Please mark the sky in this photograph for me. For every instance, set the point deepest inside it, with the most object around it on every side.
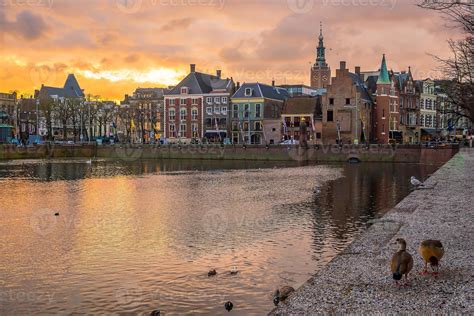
(115, 46)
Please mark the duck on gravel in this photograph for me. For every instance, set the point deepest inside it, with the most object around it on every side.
(282, 294)
(402, 262)
(431, 251)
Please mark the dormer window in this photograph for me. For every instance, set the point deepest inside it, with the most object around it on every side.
(248, 92)
(184, 90)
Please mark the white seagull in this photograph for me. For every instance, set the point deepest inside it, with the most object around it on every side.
(415, 182)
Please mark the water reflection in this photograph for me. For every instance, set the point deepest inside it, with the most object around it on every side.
(135, 237)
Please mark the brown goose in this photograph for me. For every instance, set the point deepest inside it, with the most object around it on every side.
(431, 251)
(402, 262)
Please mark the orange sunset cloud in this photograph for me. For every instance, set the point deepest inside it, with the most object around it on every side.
(115, 46)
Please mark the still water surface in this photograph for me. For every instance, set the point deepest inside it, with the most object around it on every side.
(141, 236)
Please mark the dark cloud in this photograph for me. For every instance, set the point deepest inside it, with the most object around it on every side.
(177, 25)
(28, 25)
(132, 58)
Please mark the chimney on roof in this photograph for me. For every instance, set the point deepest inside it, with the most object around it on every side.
(192, 67)
(238, 85)
(273, 83)
(219, 73)
(357, 70)
(343, 65)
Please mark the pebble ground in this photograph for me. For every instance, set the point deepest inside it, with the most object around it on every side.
(359, 280)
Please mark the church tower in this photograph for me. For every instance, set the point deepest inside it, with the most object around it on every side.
(320, 71)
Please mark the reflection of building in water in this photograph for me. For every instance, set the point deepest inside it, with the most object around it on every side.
(365, 192)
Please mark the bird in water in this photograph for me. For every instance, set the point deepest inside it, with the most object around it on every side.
(402, 262)
(431, 251)
(228, 306)
(212, 272)
(56, 214)
(282, 294)
(234, 270)
(89, 161)
(415, 182)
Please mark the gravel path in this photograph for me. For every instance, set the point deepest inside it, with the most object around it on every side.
(359, 280)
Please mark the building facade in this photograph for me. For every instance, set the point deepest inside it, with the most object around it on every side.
(301, 120)
(428, 110)
(146, 115)
(409, 107)
(347, 109)
(8, 109)
(187, 108)
(255, 114)
(386, 110)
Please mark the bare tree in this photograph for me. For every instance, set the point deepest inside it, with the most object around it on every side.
(459, 68)
(48, 107)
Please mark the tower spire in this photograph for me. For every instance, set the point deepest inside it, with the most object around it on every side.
(384, 77)
(321, 50)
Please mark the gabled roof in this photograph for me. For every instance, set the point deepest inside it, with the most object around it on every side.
(200, 83)
(260, 90)
(157, 92)
(384, 77)
(303, 105)
(361, 87)
(72, 88)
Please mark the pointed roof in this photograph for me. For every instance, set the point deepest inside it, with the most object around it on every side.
(72, 88)
(260, 90)
(200, 83)
(384, 77)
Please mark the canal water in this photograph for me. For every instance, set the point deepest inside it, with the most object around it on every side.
(133, 237)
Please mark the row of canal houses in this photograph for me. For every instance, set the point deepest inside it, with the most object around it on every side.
(379, 106)
(354, 107)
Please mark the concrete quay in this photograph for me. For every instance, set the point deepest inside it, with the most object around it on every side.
(359, 280)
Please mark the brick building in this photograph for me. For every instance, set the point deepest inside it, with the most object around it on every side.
(386, 111)
(197, 108)
(347, 107)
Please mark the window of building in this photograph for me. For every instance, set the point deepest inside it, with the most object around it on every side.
(172, 130)
(248, 92)
(217, 100)
(246, 126)
(194, 129)
(184, 90)
(246, 110)
(194, 114)
(224, 100)
(172, 114)
(422, 120)
(209, 110)
(209, 100)
(318, 135)
(195, 101)
(348, 101)
(182, 130)
(172, 102)
(383, 113)
(258, 110)
(182, 101)
(235, 126)
(182, 114)
(217, 110)
(224, 110)
(258, 126)
(235, 111)
(331, 101)
(330, 116)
